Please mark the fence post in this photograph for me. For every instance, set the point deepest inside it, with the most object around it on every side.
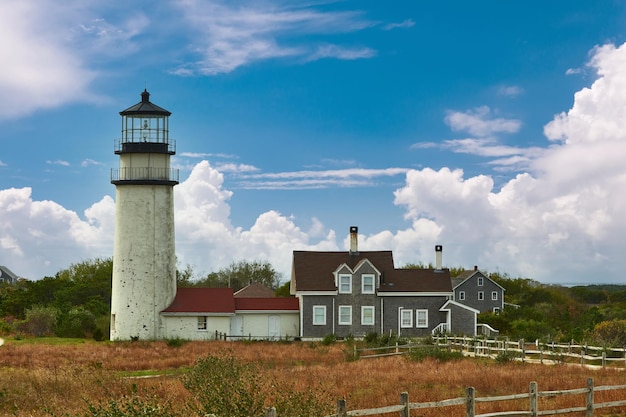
(533, 399)
(404, 400)
(341, 408)
(522, 346)
(603, 359)
(470, 404)
(270, 412)
(589, 398)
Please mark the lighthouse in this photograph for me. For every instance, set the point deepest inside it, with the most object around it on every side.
(144, 257)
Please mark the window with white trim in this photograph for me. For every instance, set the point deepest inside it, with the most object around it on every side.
(496, 310)
(345, 284)
(319, 315)
(406, 318)
(421, 318)
(481, 295)
(480, 281)
(367, 284)
(345, 315)
(202, 323)
(367, 315)
(494, 295)
(461, 295)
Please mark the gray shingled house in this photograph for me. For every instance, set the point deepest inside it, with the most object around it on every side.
(476, 290)
(356, 293)
(7, 276)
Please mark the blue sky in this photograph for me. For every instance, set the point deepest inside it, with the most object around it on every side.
(493, 128)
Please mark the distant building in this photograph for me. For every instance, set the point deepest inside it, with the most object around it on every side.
(7, 276)
(476, 290)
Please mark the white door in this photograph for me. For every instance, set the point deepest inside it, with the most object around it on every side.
(236, 326)
(274, 327)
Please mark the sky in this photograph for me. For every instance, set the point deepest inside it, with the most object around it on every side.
(496, 129)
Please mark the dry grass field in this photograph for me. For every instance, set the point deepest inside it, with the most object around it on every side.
(37, 378)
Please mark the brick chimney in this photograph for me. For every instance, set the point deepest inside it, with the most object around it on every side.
(354, 240)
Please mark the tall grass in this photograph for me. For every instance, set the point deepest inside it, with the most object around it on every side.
(66, 378)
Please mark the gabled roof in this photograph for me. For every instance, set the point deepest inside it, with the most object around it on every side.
(255, 290)
(313, 271)
(202, 300)
(7, 275)
(267, 304)
(467, 274)
(222, 301)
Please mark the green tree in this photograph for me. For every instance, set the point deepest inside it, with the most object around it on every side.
(242, 273)
(40, 320)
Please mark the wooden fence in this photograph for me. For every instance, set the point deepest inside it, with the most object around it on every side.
(548, 353)
(536, 352)
(470, 401)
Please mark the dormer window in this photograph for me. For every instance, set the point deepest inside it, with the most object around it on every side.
(345, 284)
(367, 284)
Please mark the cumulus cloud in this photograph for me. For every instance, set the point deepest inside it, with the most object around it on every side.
(562, 221)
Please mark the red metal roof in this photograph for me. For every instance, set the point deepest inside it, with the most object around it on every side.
(222, 300)
(202, 300)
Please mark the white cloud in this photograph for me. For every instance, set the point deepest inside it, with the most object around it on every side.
(39, 67)
(479, 122)
(2, 164)
(339, 52)
(230, 35)
(510, 90)
(562, 221)
(58, 162)
(407, 23)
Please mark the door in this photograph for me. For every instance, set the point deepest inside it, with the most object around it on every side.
(274, 327)
(236, 327)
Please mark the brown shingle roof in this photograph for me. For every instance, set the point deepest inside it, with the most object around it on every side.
(313, 271)
(255, 290)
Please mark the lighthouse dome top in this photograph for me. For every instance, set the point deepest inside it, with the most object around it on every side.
(145, 107)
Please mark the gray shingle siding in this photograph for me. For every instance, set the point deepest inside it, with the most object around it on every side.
(471, 290)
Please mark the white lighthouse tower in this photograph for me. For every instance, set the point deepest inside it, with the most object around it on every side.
(144, 258)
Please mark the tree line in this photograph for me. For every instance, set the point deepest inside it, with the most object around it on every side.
(76, 302)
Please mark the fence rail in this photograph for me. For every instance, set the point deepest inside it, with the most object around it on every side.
(515, 350)
(470, 401)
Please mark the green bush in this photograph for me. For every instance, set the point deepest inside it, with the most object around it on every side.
(225, 386)
(329, 339)
(428, 351)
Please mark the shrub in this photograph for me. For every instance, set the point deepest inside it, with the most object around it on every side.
(176, 342)
(40, 320)
(427, 351)
(225, 386)
(329, 339)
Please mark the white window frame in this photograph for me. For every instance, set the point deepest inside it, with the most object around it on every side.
(480, 282)
(481, 295)
(372, 314)
(494, 295)
(421, 318)
(496, 310)
(406, 318)
(202, 323)
(341, 283)
(461, 295)
(373, 285)
(322, 310)
(340, 315)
